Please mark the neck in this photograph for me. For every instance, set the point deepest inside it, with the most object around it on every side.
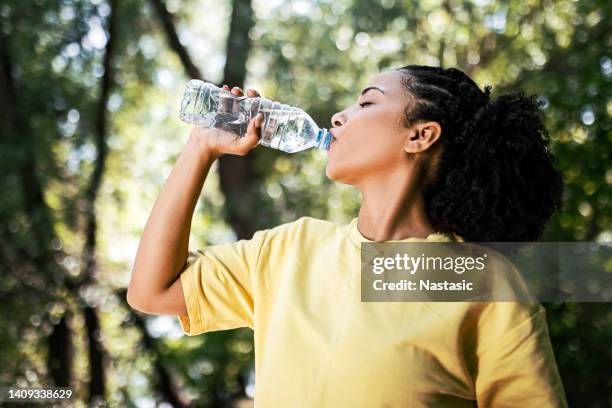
(393, 208)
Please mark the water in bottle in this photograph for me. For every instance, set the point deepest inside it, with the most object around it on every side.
(284, 127)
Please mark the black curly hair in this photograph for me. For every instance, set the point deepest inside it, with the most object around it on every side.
(494, 180)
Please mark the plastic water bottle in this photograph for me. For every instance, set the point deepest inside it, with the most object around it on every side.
(284, 127)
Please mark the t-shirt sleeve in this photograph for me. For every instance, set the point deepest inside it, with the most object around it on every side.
(217, 284)
(516, 363)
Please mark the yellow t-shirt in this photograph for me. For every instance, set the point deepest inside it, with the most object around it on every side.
(317, 345)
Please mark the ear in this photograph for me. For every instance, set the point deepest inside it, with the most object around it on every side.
(421, 136)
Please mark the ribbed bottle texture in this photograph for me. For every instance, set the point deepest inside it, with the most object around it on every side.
(284, 127)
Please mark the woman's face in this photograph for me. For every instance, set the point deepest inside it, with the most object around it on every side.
(368, 136)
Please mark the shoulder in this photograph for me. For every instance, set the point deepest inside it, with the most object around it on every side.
(302, 231)
(289, 241)
(302, 234)
(303, 226)
(510, 322)
(511, 314)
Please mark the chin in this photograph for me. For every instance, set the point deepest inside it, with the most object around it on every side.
(337, 174)
(329, 172)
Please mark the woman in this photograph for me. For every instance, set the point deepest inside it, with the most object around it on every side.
(435, 160)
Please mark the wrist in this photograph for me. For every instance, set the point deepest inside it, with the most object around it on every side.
(201, 143)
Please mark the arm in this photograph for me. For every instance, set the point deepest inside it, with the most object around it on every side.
(162, 253)
(518, 368)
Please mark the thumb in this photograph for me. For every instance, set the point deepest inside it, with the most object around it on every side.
(253, 134)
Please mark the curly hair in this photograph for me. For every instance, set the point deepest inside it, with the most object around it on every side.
(495, 179)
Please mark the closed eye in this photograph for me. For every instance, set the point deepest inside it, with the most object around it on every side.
(365, 103)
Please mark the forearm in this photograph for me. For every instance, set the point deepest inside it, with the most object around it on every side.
(163, 248)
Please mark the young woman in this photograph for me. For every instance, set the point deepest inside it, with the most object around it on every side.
(435, 160)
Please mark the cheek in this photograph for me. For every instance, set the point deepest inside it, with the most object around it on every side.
(362, 153)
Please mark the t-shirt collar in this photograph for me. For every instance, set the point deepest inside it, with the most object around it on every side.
(357, 238)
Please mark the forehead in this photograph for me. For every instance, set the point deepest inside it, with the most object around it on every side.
(388, 81)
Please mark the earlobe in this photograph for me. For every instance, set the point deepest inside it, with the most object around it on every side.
(413, 143)
(412, 147)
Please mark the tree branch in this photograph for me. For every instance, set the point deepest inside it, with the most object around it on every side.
(167, 21)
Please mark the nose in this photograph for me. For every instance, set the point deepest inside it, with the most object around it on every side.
(337, 119)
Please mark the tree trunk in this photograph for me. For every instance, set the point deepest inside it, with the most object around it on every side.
(96, 356)
(59, 358)
(236, 173)
(19, 137)
(17, 134)
(95, 347)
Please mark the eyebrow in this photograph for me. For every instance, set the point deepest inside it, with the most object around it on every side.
(371, 87)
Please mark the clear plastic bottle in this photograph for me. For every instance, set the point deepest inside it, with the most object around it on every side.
(284, 127)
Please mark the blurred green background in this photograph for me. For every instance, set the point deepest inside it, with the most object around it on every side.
(89, 97)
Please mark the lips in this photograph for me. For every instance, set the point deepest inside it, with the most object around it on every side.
(333, 133)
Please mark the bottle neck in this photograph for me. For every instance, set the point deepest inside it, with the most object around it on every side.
(323, 139)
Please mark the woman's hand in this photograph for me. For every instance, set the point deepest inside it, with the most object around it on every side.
(218, 142)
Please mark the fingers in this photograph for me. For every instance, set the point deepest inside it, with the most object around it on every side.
(237, 91)
(253, 133)
(254, 128)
